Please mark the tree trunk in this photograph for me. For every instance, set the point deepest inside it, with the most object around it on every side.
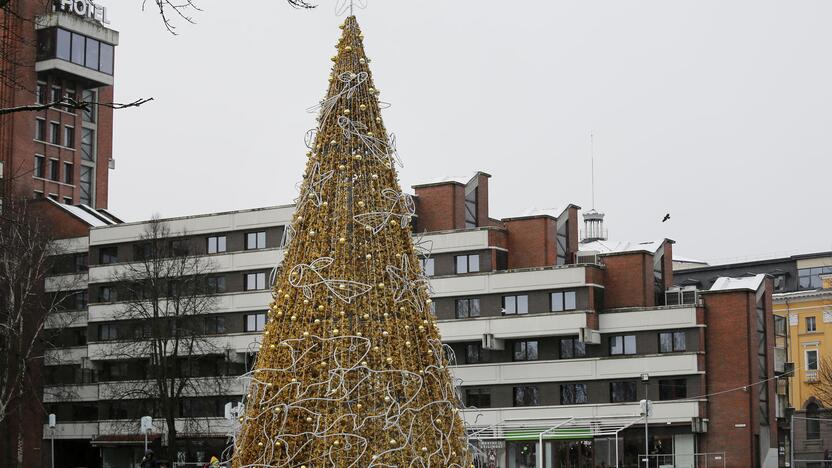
(171, 421)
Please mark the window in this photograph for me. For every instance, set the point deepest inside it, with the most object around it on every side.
(70, 96)
(812, 359)
(214, 325)
(427, 266)
(85, 195)
(91, 59)
(64, 44)
(255, 281)
(471, 207)
(571, 348)
(255, 322)
(623, 344)
(216, 284)
(106, 61)
(67, 200)
(467, 264)
(89, 95)
(779, 283)
(40, 93)
(478, 397)
(809, 278)
(515, 305)
(81, 300)
(69, 136)
(55, 133)
(53, 196)
(256, 240)
(670, 342)
(56, 94)
(77, 56)
(811, 324)
(525, 350)
(216, 244)
(108, 255)
(621, 392)
(54, 169)
(107, 294)
(812, 421)
(38, 195)
(563, 300)
(40, 130)
(81, 263)
(474, 354)
(673, 389)
(69, 173)
(573, 394)
(562, 240)
(88, 144)
(40, 169)
(107, 332)
(467, 308)
(526, 396)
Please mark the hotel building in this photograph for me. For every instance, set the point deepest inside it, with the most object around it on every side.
(556, 338)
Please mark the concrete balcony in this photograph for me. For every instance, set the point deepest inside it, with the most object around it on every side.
(216, 427)
(204, 386)
(66, 282)
(226, 303)
(508, 281)
(663, 413)
(74, 319)
(131, 349)
(63, 393)
(644, 320)
(576, 369)
(63, 356)
(219, 263)
(513, 326)
(456, 241)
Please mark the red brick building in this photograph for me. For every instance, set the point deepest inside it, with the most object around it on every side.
(48, 54)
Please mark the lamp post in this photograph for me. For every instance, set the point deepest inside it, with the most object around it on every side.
(146, 425)
(52, 424)
(645, 408)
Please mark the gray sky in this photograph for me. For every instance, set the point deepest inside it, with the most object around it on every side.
(717, 112)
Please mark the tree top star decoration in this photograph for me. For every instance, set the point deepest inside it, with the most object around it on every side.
(351, 372)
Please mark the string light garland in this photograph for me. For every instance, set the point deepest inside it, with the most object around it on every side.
(352, 371)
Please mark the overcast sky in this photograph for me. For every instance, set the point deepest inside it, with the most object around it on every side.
(717, 112)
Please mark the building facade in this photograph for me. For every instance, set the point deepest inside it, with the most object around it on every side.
(51, 52)
(554, 339)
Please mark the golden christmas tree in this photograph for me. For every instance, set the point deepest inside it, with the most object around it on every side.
(351, 371)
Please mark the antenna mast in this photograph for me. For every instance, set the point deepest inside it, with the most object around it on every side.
(592, 158)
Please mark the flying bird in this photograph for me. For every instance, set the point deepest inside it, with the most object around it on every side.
(666, 217)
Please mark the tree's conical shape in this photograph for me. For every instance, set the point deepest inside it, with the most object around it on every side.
(351, 372)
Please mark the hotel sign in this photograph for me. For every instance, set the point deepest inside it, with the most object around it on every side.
(85, 9)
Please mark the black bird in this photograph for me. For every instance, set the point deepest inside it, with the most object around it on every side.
(666, 217)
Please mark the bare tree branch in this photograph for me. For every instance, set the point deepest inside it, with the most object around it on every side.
(823, 387)
(69, 103)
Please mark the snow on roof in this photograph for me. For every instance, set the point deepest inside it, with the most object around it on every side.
(85, 214)
(607, 246)
(534, 211)
(452, 178)
(724, 283)
(676, 258)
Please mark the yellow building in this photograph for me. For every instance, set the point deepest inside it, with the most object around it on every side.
(809, 319)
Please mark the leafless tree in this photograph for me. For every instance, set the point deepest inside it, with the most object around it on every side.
(823, 387)
(27, 255)
(167, 302)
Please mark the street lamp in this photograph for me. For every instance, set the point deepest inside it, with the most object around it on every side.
(646, 409)
(146, 425)
(52, 421)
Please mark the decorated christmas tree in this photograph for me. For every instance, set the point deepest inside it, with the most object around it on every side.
(351, 371)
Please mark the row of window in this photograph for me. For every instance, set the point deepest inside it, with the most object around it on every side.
(213, 285)
(517, 304)
(54, 170)
(76, 48)
(572, 348)
(214, 244)
(577, 394)
(211, 325)
(809, 278)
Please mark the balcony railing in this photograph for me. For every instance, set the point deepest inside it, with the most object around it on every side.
(811, 376)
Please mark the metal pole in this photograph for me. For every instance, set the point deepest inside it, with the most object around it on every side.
(646, 443)
(52, 456)
(791, 443)
(145, 441)
(616, 449)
